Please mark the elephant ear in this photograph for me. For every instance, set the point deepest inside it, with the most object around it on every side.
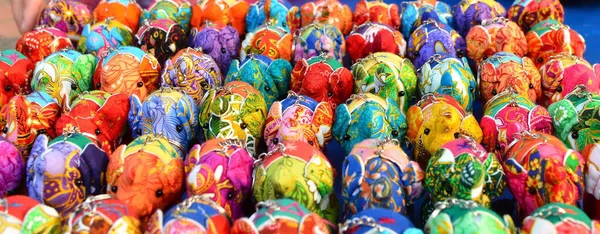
(321, 123)
(360, 74)
(342, 122)
(155, 222)
(293, 19)
(240, 170)
(396, 118)
(564, 117)
(414, 120)
(470, 126)
(284, 46)
(205, 106)
(85, 64)
(82, 44)
(165, 78)
(516, 177)
(441, 221)
(192, 159)
(187, 112)
(256, 109)
(496, 181)
(244, 226)
(115, 166)
(279, 70)
(353, 174)
(114, 111)
(298, 75)
(255, 17)
(413, 180)
(135, 113)
(490, 133)
(356, 46)
(246, 45)
(273, 123)
(92, 168)
(36, 165)
(341, 83)
(478, 41)
(234, 71)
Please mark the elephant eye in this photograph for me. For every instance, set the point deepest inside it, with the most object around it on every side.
(98, 85)
(498, 147)
(540, 60)
(460, 53)
(275, 141)
(159, 193)
(559, 89)
(417, 53)
(329, 94)
(139, 131)
(114, 189)
(140, 84)
(5, 130)
(448, 190)
(395, 133)
(346, 137)
(205, 125)
(73, 86)
(494, 92)
(7, 88)
(485, 57)
(574, 135)
(311, 143)
(530, 86)
(267, 88)
(98, 132)
(243, 126)
(471, 89)
(456, 135)
(426, 131)
(42, 131)
(229, 196)
(204, 85)
(283, 24)
(531, 190)
(78, 182)
(223, 50)
(401, 93)
(179, 128)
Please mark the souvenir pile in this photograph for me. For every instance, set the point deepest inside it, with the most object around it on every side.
(220, 116)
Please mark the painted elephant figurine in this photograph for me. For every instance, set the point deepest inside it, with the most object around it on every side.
(318, 38)
(26, 215)
(550, 37)
(179, 11)
(503, 70)
(64, 171)
(436, 120)
(269, 40)
(169, 112)
(128, 70)
(15, 75)
(270, 77)
(331, 12)
(563, 73)
(575, 118)
(289, 216)
(540, 170)
(467, 14)
(64, 75)
(125, 11)
(298, 171)
(97, 39)
(41, 42)
(223, 12)
(463, 216)
(299, 118)
(388, 76)
(107, 215)
(591, 197)
(220, 169)
(376, 12)
(368, 116)
(444, 74)
(237, 111)
(280, 12)
(495, 35)
(559, 218)
(374, 164)
(528, 13)
(12, 168)
(197, 214)
(413, 13)
(146, 175)
(432, 38)
(67, 16)
(193, 71)
(100, 116)
(507, 114)
(370, 38)
(162, 38)
(381, 217)
(27, 116)
(221, 42)
(322, 78)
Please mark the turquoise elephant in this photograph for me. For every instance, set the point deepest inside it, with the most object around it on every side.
(281, 12)
(179, 11)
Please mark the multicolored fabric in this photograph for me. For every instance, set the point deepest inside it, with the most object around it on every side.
(563, 73)
(64, 75)
(527, 13)
(280, 12)
(281, 216)
(378, 220)
(268, 40)
(591, 197)
(414, 13)
(576, 118)
(196, 214)
(169, 112)
(559, 218)
(434, 38)
(368, 116)
(463, 169)
(270, 77)
(550, 37)
(322, 78)
(125, 11)
(102, 214)
(67, 16)
(162, 38)
(221, 170)
(26, 215)
(388, 76)
(237, 111)
(369, 38)
(299, 118)
(315, 39)
(473, 12)
(146, 175)
(298, 171)
(99, 38)
(505, 70)
(192, 71)
(223, 12)
(12, 168)
(221, 42)
(378, 174)
(99, 116)
(24, 117)
(509, 113)
(462, 216)
(376, 12)
(444, 74)
(540, 170)
(41, 42)
(331, 12)
(128, 70)
(15, 74)
(179, 11)
(436, 120)
(64, 171)
(495, 35)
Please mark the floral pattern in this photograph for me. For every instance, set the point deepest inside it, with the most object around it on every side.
(26, 215)
(376, 12)
(41, 42)
(370, 38)
(470, 13)
(162, 38)
(15, 74)
(269, 40)
(559, 218)
(414, 13)
(99, 38)
(331, 12)
(462, 216)
(549, 38)
(527, 13)
(433, 38)
(563, 73)
(175, 10)
(67, 16)
(495, 35)
(223, 12)
(125, 11)
(278, 12)
(195, 214)
(318, 38)
(110, 216)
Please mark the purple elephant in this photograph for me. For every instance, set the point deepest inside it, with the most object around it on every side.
(12, 167)
(222, 43)
(432, 38)
(471, 13)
